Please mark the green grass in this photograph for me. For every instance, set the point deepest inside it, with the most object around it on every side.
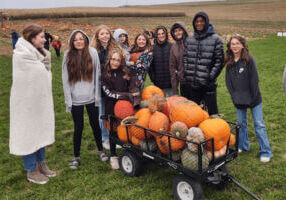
(96, 180)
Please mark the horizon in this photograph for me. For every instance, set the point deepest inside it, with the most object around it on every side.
(38, 4)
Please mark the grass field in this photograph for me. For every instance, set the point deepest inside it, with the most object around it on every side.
(96, 180)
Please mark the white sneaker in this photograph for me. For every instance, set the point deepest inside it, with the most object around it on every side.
(239, 150)
(265, 159)
(114, 162)
(106, 144)
(118, 146)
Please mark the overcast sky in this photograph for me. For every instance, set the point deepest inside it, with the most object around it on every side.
(6, 4)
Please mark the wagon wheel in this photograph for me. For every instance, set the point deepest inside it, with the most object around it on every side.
(186, 189)
(129, 163)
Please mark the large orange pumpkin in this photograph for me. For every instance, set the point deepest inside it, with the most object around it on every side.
(149, 91)
(159, 122)
(188, 113)
(218, 129)
(123, 109)
(171, 101)
(143, 115)
(163, 144)
(122, 133)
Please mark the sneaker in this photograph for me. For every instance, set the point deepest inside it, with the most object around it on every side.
(265, 159)
(43, 167)
(74, 163)
(114, 162)
(118, 146)
(239, 150)
(106, 144)
(37, 177)
(103, 156)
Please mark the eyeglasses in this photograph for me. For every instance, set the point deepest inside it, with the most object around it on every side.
(115, 60)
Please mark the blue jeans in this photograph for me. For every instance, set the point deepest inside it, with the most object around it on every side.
(104, 131)
(257, 115)
(30, 161)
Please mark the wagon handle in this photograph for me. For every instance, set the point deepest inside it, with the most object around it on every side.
(242, 187)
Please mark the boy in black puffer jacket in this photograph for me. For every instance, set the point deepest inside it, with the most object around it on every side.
(203, 61)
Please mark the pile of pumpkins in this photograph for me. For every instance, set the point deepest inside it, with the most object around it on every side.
(174, 115)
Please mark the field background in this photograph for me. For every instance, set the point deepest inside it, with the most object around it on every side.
(259, 21)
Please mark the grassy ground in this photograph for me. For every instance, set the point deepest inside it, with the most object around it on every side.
(96, 180)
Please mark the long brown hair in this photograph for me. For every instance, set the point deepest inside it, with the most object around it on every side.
(95, 42)
(245, 55)
(79, 65)
(31, 31)
(136, 48)
(122, 64)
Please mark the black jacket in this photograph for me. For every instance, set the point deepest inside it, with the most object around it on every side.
(242, 84)
(203, 56)
(159, 71)
(115, 88)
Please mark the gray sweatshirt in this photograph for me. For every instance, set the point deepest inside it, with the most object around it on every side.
(82, 92)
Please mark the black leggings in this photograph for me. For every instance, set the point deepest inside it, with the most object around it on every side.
(77, 114)
(205, 96)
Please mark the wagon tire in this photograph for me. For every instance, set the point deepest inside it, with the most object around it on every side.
(185, 188)
(129, 163)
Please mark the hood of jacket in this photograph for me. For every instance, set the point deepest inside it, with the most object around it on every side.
(117, 33)
(179, 25)
(76, 31)
(208, 28)
(156, 35)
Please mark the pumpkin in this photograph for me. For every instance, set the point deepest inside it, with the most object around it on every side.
(123, 109)
(206, 115)
(194, 135)
(156, 103)
(190, 160)
(218, 129)
(217, 154)
(143, 116)
(163, 144)
(150, 90)
(144, 104)
(188, 113)
(122, 133)
(159, 122)
(232, 140)
(151, 144)
(179, 129)
(135, 141)
(170, 102)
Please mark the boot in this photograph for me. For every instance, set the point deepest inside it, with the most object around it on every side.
(45, 170)
(36, 177)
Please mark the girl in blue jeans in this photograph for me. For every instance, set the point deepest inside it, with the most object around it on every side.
(242, 84)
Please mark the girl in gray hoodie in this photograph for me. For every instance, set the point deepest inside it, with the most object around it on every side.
(81, 82)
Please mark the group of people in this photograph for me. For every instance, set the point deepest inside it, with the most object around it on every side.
(97, 73)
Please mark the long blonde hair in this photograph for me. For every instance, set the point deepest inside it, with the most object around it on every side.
(95, 42)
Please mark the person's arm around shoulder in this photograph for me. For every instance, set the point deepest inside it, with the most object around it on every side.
(66, 84)
(218, 59)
